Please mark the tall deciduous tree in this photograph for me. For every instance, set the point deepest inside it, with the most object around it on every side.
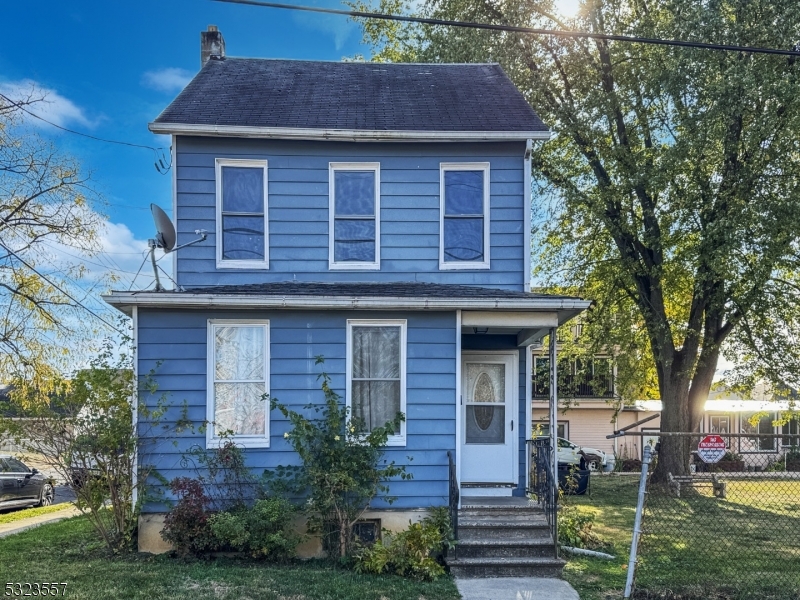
(44, 209)
(673, 175)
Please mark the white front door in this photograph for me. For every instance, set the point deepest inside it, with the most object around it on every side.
(488, 407)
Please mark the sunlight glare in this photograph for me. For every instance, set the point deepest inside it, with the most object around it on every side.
(568, 8)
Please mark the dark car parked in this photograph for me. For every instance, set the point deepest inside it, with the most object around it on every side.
(21, 486)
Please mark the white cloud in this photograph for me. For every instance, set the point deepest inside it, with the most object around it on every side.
(54, 107)
(170, 79)
(337, 26)
(121, 256)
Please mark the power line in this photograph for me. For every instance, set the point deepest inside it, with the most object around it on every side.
(516, 29)
(158, 151)
(60, 289)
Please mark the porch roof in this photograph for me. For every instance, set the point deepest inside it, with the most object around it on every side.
(365, 296)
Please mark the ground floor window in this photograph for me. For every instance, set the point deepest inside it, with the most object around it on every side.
(720, 424)
(376, 373)
(791, 429)
(543, 429)
(755, 423)
(238, 379)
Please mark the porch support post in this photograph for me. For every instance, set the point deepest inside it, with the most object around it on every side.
(554, 419)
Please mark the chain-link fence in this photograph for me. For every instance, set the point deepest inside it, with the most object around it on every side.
(726, 530)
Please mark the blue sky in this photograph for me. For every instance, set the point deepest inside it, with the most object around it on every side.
(109, 68)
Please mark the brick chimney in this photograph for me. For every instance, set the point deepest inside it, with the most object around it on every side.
(212, 45)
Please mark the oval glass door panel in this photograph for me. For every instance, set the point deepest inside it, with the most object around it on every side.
(486, 411)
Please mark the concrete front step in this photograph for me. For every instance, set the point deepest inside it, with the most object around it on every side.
(504, 548)
(471, 568)
(482, 530)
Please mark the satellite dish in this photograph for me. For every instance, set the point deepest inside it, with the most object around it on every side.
(165, 239)
(165, 236)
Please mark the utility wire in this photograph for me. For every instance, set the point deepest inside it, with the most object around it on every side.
(60, 289)
(795, 51)
(139, 270)
(160, 165)
(86, 135)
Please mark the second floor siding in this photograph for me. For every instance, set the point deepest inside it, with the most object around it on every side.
(298, 213)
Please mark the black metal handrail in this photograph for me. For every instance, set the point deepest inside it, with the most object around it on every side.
(541, 482)
(454, 495)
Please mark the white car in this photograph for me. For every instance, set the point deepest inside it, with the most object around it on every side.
(583, 456)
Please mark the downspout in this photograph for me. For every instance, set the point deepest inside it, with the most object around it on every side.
(554, 433)
(458, 400)
(527, 208)
(135, 406)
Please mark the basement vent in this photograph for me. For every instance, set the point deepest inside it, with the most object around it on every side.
(367, 531)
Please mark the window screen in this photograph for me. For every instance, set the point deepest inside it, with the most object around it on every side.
(243, 206)
(354, 216)
(464, 219)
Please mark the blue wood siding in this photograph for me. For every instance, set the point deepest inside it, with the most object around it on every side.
(298, 210)
(508, 342)
(172, 345)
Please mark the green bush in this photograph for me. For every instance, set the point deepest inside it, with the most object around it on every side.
(263, 531)
(343, 467)
(575, 528)
(410, 553)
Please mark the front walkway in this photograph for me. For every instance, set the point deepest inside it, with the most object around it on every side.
(516, 588)
(31, 522)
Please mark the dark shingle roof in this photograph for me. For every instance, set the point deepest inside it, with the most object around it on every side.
(363, 290)
(245, 92)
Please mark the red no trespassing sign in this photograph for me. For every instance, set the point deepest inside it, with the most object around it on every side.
(711, 449)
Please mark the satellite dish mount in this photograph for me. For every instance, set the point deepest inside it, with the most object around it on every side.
(165, 239)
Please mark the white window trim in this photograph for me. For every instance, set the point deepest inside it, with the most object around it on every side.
(246, 441)
(461, 265)
(742, 419)
(353, 266)
(240, 264)
(394, 440)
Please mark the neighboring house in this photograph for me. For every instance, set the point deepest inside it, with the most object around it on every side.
(377, 215)
(589, 414)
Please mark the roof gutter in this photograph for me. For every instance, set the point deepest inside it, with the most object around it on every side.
(346, 135)
(189, 300)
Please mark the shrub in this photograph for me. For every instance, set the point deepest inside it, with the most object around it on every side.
(575, 528)
(342, 468)
(410, 553)
(83, 428)
(630, 465)
(221, 471)
(263, 531)
(186, 526)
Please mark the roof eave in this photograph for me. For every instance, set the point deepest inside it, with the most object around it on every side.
(566, 307)
(349, 135)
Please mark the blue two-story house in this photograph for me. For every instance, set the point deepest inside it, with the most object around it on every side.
(377, 215)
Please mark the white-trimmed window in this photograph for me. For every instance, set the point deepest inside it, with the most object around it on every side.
(242, 222)
(764, 425)
(542, 429)
(464, 216)
(791, 429)
(355, 224)
(238, 378)
(376, 373)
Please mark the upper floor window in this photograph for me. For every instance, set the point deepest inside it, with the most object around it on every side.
(464, 225)
(238, 378)
(376, 373)
(355, 227)
(242, 227)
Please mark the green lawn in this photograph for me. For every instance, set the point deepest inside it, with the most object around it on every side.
(68, 552)
(696, 547)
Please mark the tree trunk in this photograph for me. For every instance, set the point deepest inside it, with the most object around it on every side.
(674, 452)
